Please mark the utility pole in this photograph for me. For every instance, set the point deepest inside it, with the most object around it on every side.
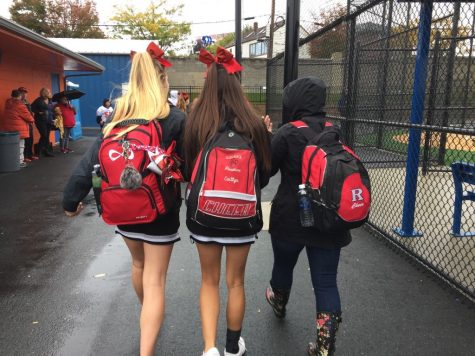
(270, 47)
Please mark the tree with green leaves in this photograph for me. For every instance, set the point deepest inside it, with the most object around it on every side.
(31, 14)
(229, 39)
(443, 25)
(226, 40)
(155, 23)
(58, 18)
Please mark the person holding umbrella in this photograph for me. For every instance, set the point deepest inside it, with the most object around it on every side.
(68, 112)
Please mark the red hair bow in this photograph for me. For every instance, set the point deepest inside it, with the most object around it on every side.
(156, 53)
(223, 57)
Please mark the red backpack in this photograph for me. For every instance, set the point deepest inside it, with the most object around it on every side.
(224, 191)
(338, 182)
(151, 198)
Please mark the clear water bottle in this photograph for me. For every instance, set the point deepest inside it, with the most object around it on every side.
(305, 206)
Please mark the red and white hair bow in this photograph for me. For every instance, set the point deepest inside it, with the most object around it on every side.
(156, 53)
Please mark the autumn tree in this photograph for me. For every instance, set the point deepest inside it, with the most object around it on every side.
(75, 19)
(58, 18)
(155, 23)
(333, 40)
(32, 14)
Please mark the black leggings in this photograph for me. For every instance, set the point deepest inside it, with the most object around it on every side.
(323, 265)
(28, 152)
(43, 128)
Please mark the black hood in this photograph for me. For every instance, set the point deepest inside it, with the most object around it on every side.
(304, 97)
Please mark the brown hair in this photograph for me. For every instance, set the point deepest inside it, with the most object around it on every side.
(181, 103)
(222, 99)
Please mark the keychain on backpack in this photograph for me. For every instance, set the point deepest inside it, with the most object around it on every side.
(130, 178)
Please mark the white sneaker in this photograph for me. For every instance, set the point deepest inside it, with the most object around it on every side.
(211, 352)
(242, 349)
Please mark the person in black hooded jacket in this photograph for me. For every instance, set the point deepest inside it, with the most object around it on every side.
(303, 99)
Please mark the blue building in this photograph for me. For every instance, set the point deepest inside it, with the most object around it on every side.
(114, 56)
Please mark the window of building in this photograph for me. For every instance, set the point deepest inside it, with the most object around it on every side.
(258, 49)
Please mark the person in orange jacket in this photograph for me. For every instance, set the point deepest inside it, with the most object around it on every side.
(17, 118)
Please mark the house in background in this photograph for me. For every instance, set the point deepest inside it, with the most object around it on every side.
(32, 61)
(255, 43)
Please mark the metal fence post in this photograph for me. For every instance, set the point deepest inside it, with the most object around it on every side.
(432, 101)
(405, 58)
(291, 58)
(469, 72)
(384, 79)
(268, 86)
(237, 30)
(449, 82)
(381, 67)
(352, 82)
(417, 110)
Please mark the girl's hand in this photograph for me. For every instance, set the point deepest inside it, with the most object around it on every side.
(75, 213)
(267, 122)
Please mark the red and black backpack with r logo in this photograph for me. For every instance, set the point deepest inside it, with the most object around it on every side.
(338, 182)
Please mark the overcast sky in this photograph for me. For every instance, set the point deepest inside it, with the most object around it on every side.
(207, 16)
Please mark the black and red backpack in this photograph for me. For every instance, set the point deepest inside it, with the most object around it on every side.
(339, 184)
(151, 197)
(224, 191)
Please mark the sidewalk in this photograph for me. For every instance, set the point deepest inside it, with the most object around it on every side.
(65, 288)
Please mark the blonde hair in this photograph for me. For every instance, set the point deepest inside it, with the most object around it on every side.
(146, 97)
(44, 92)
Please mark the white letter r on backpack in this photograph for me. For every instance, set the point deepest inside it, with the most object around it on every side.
(356, 194)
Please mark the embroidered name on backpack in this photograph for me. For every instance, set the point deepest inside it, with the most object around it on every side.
(227, 209)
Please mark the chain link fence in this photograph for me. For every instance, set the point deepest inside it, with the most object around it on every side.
(410, 117)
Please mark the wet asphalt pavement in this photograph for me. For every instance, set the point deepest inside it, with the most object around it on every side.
(65, 288)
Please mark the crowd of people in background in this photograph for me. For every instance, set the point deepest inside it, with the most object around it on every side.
(46, 115)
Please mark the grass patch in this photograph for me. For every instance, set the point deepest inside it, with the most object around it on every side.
(392, 145)
(256, 97)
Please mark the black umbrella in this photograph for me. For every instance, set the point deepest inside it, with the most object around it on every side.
(70, 94)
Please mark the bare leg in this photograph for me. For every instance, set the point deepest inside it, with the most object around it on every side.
(236, 258)
(136, 250)
(210, 261)
(157, 258)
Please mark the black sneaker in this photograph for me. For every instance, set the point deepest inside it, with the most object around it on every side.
(277, 300)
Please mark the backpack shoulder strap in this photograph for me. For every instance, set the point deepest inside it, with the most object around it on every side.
(158, 128)
(304, 129)
(298, 124)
